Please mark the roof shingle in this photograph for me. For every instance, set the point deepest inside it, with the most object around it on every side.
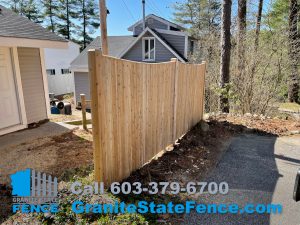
(116, 45)
(14, 25)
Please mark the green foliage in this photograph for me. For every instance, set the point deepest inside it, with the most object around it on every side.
(31, 11)
(89, 17)
(27, 8)
(201, 16)
(50, 8)
(76, 20)
(279, 15)
(66, 13)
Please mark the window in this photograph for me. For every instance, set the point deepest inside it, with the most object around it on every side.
(51, 72)
(149, 49)
(65, 71)
(174, 28)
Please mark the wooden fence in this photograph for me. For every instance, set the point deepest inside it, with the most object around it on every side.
(138, 109)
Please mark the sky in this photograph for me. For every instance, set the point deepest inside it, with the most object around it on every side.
(124, 13)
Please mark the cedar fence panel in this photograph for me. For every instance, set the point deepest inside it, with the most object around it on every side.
(138, 109)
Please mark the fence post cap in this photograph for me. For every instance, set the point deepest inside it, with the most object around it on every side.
(174, 59)
(82, 94)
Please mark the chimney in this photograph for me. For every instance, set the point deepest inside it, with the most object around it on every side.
(144, 19)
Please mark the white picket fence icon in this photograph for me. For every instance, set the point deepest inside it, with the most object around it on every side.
(42, 185)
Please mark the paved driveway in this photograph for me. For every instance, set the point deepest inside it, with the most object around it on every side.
(258, 169)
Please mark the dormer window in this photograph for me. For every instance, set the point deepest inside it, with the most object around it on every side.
(149, 49)
(174, 28)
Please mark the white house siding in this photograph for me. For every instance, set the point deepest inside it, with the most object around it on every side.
(59, 59)
(82, 85)
(32, 83)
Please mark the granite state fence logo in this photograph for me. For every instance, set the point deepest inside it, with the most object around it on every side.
(34, 191)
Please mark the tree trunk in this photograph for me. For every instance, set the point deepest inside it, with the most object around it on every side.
(249, 96)
(225, 54)
(68, 20)
(258, 24)
(242, 13)
(84, 24)
(293, 89)
(51, 16)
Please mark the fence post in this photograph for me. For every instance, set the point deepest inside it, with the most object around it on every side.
(203, 98)
(83, 110)
(94, 55)
(175, 60)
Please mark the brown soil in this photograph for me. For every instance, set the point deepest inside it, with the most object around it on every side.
(51, 155)
(274, 126)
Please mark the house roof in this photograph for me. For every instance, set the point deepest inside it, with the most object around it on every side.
(163, 20)
(116, 45)
(15, 26)
(167, 43)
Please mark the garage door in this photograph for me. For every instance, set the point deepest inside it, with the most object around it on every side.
(9, 110)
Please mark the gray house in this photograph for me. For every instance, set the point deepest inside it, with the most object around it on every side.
(160, 41)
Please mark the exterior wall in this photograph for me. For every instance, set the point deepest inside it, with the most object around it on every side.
(177, 41)
(82, 85)
(33, 84)
(151, 23)
(61, 59)
(162, 54)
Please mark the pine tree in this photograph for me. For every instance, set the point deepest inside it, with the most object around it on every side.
(14, 5)
(27, 8)
(30, 10)
(89, 17)
(50, 11)
(201, 16)
(65, 13)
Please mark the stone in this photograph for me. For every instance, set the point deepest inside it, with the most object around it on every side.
(204, 126)
(206, 116)
(248, 115)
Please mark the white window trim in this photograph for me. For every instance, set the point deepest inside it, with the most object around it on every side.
(143, 46)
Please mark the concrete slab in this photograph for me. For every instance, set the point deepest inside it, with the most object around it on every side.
(45, 130)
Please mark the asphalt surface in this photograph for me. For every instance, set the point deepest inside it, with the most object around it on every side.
(258, 169)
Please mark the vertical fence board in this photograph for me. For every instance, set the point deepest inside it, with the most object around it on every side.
(138, 109)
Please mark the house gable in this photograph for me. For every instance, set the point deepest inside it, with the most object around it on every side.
(162, 54)
(135, 52)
